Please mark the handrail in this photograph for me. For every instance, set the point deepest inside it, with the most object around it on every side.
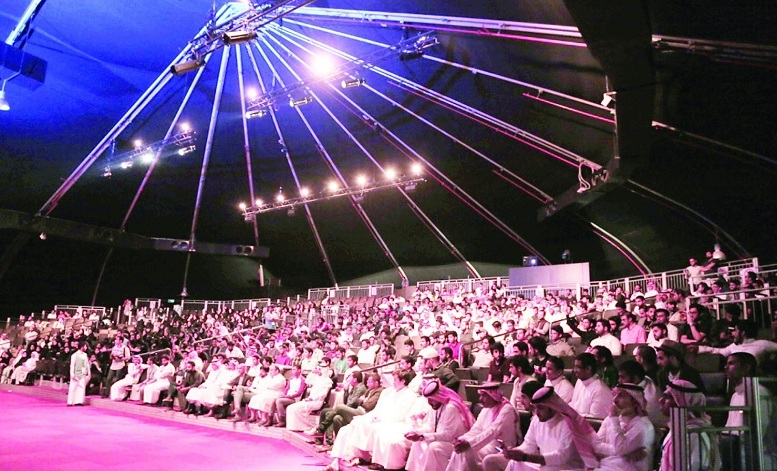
(393, 362)
(205, 339)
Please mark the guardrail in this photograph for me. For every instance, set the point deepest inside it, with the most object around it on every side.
(673, 279)
(466, 284)
(237, 304)
(342, 292)
(748, 438)
(81, 310)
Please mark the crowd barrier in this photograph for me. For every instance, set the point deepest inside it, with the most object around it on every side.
(341, 292)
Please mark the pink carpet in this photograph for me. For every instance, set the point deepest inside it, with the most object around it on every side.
(42, 434)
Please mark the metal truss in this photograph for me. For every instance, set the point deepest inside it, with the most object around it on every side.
(411, 47)
(182, 142)
(356, 192)
(240, 18)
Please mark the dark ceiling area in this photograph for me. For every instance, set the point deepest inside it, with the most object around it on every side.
(506, 114)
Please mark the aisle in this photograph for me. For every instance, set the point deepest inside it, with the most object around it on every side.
(42, 434)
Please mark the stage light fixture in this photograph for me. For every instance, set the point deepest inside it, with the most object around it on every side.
(242, 206)
(185, 67)
(406, 56)
(238, 37)
(358, 198)
(361, 180)
(717, 253)
(291, 212)
(301, 102)
(333, 186)
(251, 93)
(187, 150)
(185, 127)
(352, 83)
(417, 169)
(304, 192)
(391, 174)
(147, 157)
(138, 143)
(280, 198)
(256, 113)
(608, 99)
(126, 164)
(259, 202)
(107, 172)
(4, 105)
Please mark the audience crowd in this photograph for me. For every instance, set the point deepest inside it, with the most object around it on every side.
(445, 380)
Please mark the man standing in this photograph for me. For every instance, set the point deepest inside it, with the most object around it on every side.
(431, 449)
(79, 376)
(498, 421)
(591, 397)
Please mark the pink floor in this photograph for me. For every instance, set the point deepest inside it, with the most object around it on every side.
(41, 434)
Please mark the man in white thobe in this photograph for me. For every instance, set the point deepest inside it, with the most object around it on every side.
(554, 374)
(298, 415)
(550, 443)
(79, 376)
(498, 421)
(160, 382)
(450, 418)
(591, 397)
(394, 405)
(119, 389)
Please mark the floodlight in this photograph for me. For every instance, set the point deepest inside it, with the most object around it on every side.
(4, 106)
(126, 164)
(333, 186)
(291, 212)
(259, 202)
(237, 37)
(361, 180)
(138, 143)
(417, 169)
(187, 150)
(302, 101)
(352, 83)
(323, 65)
(107, 172)
(252, 93)
(242, 206)
(391, 173)
(280, 198)
(185, 127)
(185, 67)
(256, 114)
(147, 157)
(304, 192)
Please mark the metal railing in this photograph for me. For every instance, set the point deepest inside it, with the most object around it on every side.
(754, 304)
(237, 304)
(83, 311)
(673, 279)
(465, 284)
(342, 292)
(749, 437)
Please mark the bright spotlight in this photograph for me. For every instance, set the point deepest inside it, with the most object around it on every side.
(361, 180)
(301, 102)
(126, 164)
(352, 83)
(147, 157)
(416, 169)
(138, 143)
(188, 66)
(259, 202)
(304, 192)
(242, 206)
(280, 198)
(252, 93)
(185, 127)
(256, 114)
(391, 174)
(333, 186)
(187, 149)
(323, 65)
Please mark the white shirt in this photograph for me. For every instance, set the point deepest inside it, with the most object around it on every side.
(758, 348)
(492, 425)
(591, 398)
(562, 387)
(620, 436)
(610, 341)
(553, 440)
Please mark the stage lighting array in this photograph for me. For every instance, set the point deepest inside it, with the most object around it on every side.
(344, 72)
(363, 184)
(180, 144)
